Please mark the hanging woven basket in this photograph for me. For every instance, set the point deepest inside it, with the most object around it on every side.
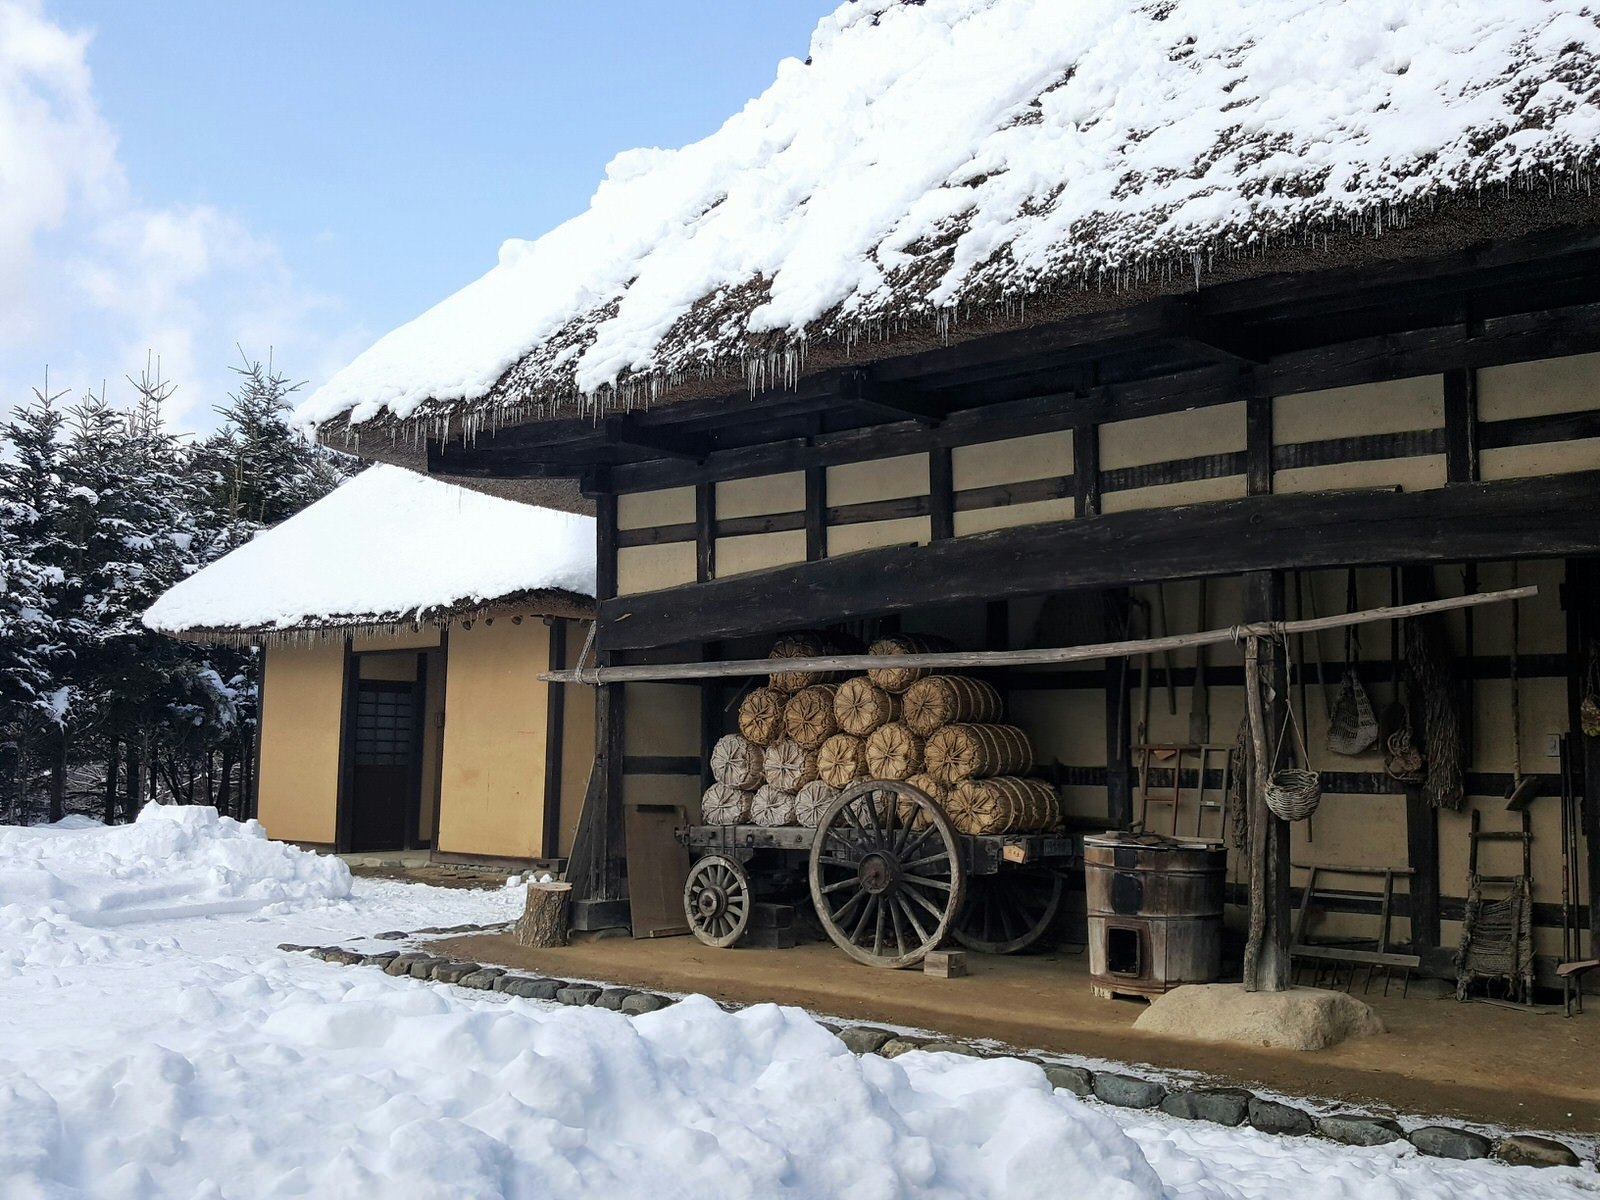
(1293, 794)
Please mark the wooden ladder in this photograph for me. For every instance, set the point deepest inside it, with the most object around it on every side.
(1205, 758)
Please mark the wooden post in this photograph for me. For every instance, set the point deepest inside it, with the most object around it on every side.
(1422, 819)
(1116, 606)
(544, 915)
(554, 736)
(1582, 594)
(941, 496)
(1086, 470)
(1266, 966)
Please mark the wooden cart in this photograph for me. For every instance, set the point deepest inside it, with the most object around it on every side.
(889, 876)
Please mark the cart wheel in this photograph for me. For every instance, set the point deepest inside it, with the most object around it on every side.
(886, 892)
(1008, 912)
(716, 899)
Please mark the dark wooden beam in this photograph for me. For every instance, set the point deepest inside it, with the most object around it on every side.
(627, 430)
(1461, 425)
(1523, 518)
(1422, 819)
(859, 389)
(1086, 470)
(1582, 599)
(554, 734)
(1258, 445)
(816, 519)
(705, 531)
(941, 494)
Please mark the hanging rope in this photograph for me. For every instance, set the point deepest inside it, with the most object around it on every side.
(1292, 793)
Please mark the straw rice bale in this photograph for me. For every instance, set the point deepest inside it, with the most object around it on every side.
(725, 805)
(812, 801)
(808, 716)
(912, 814)
(772, 807)
(841, 760)
(937, 700)
(809, 644)
(789, 766)
(860, 706)
(736, 761)
(898, 679)
(958, 752)
(761, 716)
(893, 752)
(1003, 805)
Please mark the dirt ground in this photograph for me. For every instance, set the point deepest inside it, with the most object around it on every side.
(436, 874)
(1465, 1062)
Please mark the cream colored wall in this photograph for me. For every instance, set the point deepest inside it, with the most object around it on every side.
(1538, 388)
(1394, 406)
(1011, 460)
(492, 798)
(1170, 495)
(1194, 433)
(432, 744)
(394, 667)
(399, 639)
(577, 749)
(1414, 474)
(878, 479)
(651, 568)
(301, 712)
(665, 506)
(869, 535)
(661, 720)
(759, 551)
(761, 495)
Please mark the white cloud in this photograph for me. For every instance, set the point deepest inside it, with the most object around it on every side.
(91, 278)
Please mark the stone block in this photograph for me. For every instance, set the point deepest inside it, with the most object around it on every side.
(453, 972)
(578, 995)
(1077, 1080)
(528, 987)
(1441, 1141)
(1357, 1129)
(482, 979)
(864, 1039)
(401, 964)
(1297, 1019)
(1270, 1116)
(1128, 1091)
(381, 959)
(1525, 1150)
(1220, 1106)
(945, 1047)
(643, 1002)
(896, 1046)
(424, 967)
(612, 998)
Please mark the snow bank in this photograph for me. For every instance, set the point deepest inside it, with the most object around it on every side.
(950, 152)
(388, 545)
(173, 862)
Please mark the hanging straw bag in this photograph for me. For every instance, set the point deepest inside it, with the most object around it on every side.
(1293, 793)
(1589, 710)
(1352, 725)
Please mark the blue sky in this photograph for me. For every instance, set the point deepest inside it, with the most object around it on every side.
(187, 174)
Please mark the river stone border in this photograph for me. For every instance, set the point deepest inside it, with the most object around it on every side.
(1226, 1106)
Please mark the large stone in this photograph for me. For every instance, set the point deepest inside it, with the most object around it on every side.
(1356, 1129)
(1441, 1141)
(482, 979)
(578, 994)
(1525, 1150)
(527, 987)
(453, 972)
(948, 1047)
(424, 968)
(612, 998)
(1269, 1116)
(391, 935)
(643, 1002)
(896, 1046)
(381, 959)
(401, 964)
(1297, 1019)
(1077, 1080)
(864, 1039)
(1220, 1106)
(1128, 1091)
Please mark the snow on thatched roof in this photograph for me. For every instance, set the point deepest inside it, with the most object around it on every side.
(941, 158)
(389, 546)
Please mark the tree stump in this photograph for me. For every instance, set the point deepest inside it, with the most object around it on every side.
(544, 917)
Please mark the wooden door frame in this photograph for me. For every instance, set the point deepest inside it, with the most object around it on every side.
(344, 804)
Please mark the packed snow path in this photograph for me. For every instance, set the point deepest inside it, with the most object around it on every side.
(155, 1043)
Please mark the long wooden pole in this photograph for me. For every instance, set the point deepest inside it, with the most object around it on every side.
(665, 672)
(1260, 815)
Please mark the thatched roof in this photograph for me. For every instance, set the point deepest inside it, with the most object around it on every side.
(388, 549)
(940, 163)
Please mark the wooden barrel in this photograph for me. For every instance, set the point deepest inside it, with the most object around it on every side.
(725, 805)
(808, 716)
(841, 760)
(893, 752)
(736, 761)
(761, 715)
(898, 679)
(958, 752)
(949, 700)
(789, 766)
(1003, 805)
(1155, 912)
(812, 801)
(860, 706)
(772, 807)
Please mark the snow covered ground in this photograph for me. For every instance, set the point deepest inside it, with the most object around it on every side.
(155, 1043)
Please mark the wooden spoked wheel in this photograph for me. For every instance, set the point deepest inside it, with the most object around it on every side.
(1008, 912)
(716, 899)
(887, 885)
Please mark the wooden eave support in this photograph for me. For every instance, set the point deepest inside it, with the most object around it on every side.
(736, 668)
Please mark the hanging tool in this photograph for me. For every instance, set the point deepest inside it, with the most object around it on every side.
(1524, 788)
(1300, 677)
(1199, 699)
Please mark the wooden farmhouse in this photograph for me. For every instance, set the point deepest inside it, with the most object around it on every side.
(403, 624)
(1016, 330)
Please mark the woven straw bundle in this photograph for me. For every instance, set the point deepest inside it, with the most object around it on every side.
(949, 700)
(841, 760)
(808, 717)
(958, 752)
(736, 762)
(898, 679)
(724, 805)
(893, 752)
(812, 801)
(860, 706)
(789, 766)
(806, 644)
(1003, 805)
(761, 716)
(772, 807)
(911, 814)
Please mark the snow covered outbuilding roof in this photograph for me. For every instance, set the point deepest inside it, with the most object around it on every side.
(389, 547)
(940, 163)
